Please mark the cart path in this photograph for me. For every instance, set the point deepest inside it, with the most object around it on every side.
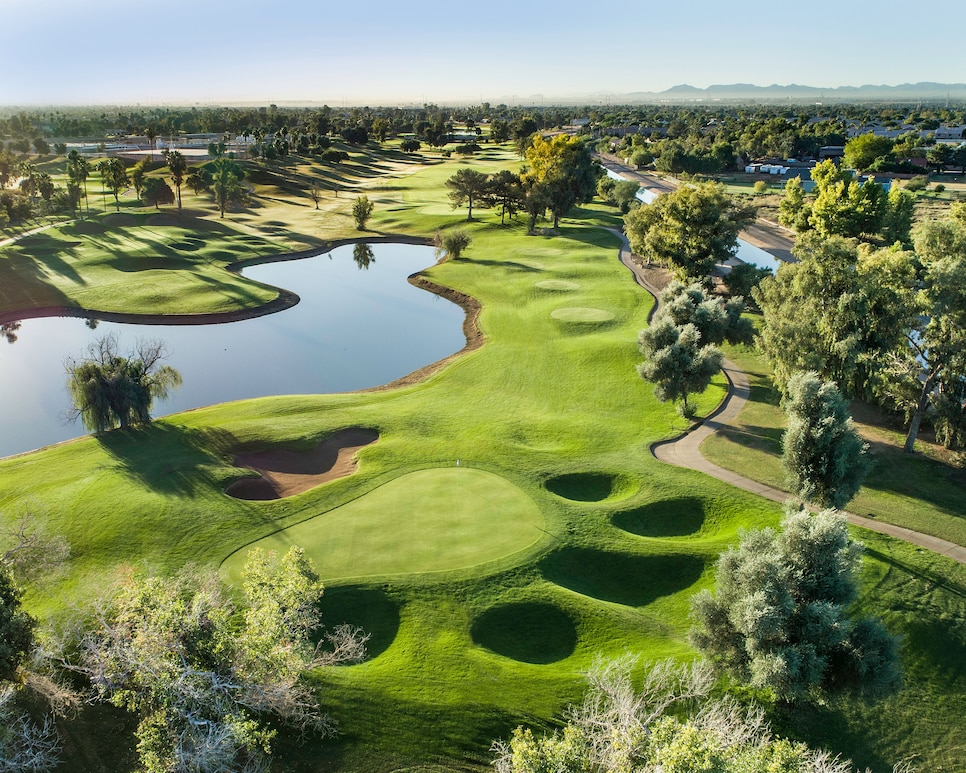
(685, 449)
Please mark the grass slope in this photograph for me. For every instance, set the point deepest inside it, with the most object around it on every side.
(552, 409)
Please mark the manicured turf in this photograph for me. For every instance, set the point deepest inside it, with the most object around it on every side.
(548, 411)
(427, 521)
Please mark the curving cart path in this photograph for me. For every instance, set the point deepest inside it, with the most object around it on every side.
(685, 450)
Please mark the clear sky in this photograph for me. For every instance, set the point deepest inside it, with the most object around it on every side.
(380, 52)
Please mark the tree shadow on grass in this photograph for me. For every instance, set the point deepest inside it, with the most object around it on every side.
(531, 632)
(168, 458)
(370, 609)
(679, 517)
(623, 579)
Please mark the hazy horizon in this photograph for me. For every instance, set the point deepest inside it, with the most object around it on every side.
(104, 52)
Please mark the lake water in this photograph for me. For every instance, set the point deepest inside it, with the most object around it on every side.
(353, 328)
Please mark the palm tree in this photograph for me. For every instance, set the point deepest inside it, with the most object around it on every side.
(226, 183)
(178, 166)
(78, 171)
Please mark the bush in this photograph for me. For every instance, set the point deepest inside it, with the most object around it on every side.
(409, 146)
(467, 149)
(940, 188)
(917, 183)
(334, 156)
(761, 187)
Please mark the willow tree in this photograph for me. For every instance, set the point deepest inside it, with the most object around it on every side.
(109, 390)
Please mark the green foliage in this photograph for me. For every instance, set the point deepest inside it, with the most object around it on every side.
(451, 244)
(110, 391)
(917, 183)
(669, 724)
(760, 187)
(361, 212)
(226, 183)
(157, 192)
(849, 340)
(900, 211)
(178, 167)
(742, 280)
(677, 362)
(691, 229)
(410, 145)
(793, 210)
(467, 186)
(114, 175)
(16, 627)
(862, 151)
(563, 170)
(842, 206)
(717, 320)
(779, 617)
(824, 458)
(203, 676)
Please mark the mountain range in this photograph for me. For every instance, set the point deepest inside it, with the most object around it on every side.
(926, 91)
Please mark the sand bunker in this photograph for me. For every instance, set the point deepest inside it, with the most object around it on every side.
(285, 473)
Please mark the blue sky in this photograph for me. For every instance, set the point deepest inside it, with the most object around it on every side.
(377, 52)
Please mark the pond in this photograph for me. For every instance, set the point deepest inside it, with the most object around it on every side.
(357, 325)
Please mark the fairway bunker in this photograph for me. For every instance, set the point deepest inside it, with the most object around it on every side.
(284, 473)
(530, 632)
(678, 517)
(623, 579)
(589, 486)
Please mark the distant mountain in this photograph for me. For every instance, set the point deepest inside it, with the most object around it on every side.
(748, 91)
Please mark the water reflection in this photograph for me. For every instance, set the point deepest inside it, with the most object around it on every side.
(9, 331)
(351, 329)
(363, 256)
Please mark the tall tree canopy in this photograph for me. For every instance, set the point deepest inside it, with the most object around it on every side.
(564, 170)
(467, 186)
(690, 230)
(780, 614)
(824, 457)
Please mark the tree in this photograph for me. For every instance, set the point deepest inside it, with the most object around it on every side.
(825, 460)
(226, 183)
(779, 617)
(451, 244)
(691, 229)
(25, 747)
(862, 151)
(78, 171)
(178, 167)
(840, 310)
(114, 176)
(742, 280)
(361, 212)
(669, 723)
(934, 360)
(793, 210)
(564, 169)
(676, 361)
(16, 627)
(157, 192)
(200, 180)
(108, 390)
(206, 679)
(842, 206)
(717, 321)
(410, 145)
(137, 177)
(315, 192)
(899, 214)
(467, 186)
(506, 192)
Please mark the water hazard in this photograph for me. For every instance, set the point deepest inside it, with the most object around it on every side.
(359, 324)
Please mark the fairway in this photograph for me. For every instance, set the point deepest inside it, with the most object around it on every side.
(427, 521)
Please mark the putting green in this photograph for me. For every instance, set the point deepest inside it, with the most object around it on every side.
(427, 521)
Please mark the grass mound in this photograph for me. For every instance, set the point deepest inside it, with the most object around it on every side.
(581, 314)
(433, 520)
(589, 486)
(557, 285)
(623, 579)
(531, 632)
(677, 517)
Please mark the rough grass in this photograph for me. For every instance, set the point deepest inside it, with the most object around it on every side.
(460, 657)
(925, 492)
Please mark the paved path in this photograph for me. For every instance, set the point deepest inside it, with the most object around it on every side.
(769, 236)
(685, 450)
